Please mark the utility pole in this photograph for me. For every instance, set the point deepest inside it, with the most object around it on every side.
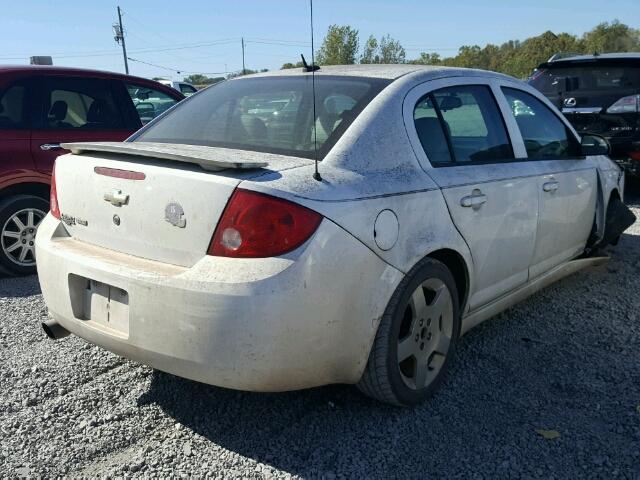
(243, 69)
(118, 32)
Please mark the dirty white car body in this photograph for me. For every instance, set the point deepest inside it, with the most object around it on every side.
(309, 317)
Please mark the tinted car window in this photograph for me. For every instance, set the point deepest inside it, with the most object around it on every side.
(430, 132)
(268, 114)
(85, 103)
(586, 77)
(543, 133)
(149, 102)
(470, 123)
(13, 108)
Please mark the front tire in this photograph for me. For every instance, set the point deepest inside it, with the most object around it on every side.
(416, 338)
(19, 219)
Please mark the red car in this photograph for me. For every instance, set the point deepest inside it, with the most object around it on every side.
(41, 107)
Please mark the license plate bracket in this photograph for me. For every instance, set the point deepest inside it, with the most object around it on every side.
(104, 305)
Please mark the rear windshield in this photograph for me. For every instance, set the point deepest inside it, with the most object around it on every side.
(267, 114)
(552, 81)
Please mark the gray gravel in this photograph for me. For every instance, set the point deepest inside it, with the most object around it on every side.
(565, 360)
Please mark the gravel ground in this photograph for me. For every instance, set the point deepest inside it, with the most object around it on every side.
(564, 361)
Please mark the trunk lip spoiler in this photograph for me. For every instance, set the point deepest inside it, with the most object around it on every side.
(209, 158)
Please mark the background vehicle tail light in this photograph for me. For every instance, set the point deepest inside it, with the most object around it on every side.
(53, 200)
(635, 156)
(630, 104)
(255, 225)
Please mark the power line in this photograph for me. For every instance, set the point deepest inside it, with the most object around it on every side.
(177, 70)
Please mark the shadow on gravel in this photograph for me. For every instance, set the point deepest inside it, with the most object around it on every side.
(19, 286)
(574, 371)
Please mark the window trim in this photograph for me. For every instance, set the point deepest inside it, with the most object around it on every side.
(40, 112)
(571, 134)
(454, 162)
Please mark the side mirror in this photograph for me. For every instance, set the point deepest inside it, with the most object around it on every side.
(595, 145)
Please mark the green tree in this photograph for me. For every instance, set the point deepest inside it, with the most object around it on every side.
(391, 51)
(370, 51)
(339, 47)
(519, 58)
(387, 50)
(427, 59)
(291, 65)
(199, 79)
(612, 37)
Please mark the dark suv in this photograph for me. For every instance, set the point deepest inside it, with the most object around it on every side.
(41, 107)
(598, 94)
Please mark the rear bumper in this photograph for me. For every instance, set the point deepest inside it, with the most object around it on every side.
(302, 320)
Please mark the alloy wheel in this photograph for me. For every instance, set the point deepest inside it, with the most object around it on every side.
(425, 333)
(18, 236)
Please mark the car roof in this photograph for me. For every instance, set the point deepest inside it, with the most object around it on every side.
(617, 58)
(382, 71)
(56, 70)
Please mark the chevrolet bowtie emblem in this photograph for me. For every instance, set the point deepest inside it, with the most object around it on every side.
(116, 198)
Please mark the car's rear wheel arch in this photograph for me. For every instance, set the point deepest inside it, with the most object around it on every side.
(458, 268)
(31, 188)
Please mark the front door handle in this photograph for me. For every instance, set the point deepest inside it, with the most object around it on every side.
(550, 186)
(50, 146)
(475, 200)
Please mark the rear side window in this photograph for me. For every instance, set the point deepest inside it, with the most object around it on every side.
(83, 103)
(149, 102)
(462, 124)
(545, 136)
(13, 111)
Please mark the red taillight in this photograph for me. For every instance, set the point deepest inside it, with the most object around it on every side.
(635, 156)
(53, 201)
(256, 225)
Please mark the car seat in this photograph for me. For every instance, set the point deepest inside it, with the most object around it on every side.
(432, 137)
(57, 114)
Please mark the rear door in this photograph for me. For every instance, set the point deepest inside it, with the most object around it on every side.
(492, 197)
(566, 183)
(15, 130)
(74, 109)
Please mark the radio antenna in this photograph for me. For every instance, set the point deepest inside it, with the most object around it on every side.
(316, 173)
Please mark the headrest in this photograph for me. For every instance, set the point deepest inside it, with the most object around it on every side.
(58, 110)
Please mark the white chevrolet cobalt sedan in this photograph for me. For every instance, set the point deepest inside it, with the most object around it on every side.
(206, 246)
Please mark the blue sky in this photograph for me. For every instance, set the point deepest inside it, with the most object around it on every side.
(78, 32)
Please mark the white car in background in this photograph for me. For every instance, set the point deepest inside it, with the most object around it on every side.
(183, 87)
(205, 247)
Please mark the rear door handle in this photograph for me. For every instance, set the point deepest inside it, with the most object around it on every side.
(475, 200)
(550, 186)
(50, 146)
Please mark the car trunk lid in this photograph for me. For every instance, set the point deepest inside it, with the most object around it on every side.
(160, 208)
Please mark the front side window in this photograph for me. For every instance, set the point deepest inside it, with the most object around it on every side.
(462, 124)
(85, 103)
(268, 114)
(545, 136)
(149, 102)
(13, 112)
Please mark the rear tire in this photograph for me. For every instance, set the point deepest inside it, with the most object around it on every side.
(19, 219)
(416, 338)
